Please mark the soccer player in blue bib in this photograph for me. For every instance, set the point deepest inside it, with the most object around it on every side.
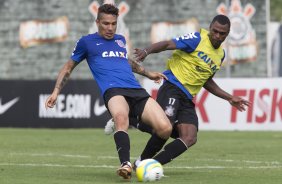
(106, 55)
(196, 58)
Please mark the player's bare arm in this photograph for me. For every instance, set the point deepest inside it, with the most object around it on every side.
(213, 88)
(62, 79)
(64, 74)
(141, 54)
(235, 101)
(139, 69)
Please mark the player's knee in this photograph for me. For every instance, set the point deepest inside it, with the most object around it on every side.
(189, 140)
(121, 121)
(165, 131)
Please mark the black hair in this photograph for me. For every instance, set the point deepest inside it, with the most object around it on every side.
(222, 19)
(107, 9)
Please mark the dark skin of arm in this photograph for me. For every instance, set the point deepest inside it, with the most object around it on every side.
(154, 48)
(235, 101)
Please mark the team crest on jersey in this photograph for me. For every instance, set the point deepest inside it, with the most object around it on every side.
(169, 111)
(120, 43)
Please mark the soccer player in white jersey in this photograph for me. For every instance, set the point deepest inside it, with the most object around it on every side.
(106, 55)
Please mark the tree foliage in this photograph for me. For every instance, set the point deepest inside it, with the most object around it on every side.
(276, 10)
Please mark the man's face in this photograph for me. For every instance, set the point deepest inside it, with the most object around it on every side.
(107, 25)
(218, 33)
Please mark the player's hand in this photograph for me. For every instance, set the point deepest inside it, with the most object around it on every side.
(156, 76)
(51, 100)
(239, 103)
(140, 54)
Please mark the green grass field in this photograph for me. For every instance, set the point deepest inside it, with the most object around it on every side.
(87, 156)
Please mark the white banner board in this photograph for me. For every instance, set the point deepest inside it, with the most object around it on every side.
(214, 113)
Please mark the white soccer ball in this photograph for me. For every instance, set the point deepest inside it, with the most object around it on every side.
(149, 170)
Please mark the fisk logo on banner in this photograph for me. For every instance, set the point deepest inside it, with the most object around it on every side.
(266, 106)
(264, 113)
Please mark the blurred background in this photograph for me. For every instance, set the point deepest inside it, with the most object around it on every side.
(37, 38)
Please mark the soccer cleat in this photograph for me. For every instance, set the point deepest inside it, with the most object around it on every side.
(125, 170)
(110, 127)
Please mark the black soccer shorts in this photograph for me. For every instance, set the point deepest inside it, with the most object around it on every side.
(135, 97)
(177, 106)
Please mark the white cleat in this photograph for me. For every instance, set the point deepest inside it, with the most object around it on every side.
(110, 127)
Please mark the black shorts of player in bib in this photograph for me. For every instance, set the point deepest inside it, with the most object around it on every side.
(177, 106)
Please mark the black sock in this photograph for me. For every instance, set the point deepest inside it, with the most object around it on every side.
(154, 145)
(171, 151)
(122, 146)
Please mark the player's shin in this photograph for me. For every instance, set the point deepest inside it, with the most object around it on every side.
(154, 145)
(122, 145)
(171, 151)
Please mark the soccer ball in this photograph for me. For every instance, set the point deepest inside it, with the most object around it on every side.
(149, 170)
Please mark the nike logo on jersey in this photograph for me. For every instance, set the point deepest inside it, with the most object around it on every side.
(99, 109)
(99, 43)
(8, 105)
(114, 54)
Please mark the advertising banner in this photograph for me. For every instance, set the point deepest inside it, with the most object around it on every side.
(22, 104)
(265, 112)
(36, 32)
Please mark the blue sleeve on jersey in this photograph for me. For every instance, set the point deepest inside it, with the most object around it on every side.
(79, 52)
(188, 42)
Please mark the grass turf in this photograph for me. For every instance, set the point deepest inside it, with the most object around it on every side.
(82, 156)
